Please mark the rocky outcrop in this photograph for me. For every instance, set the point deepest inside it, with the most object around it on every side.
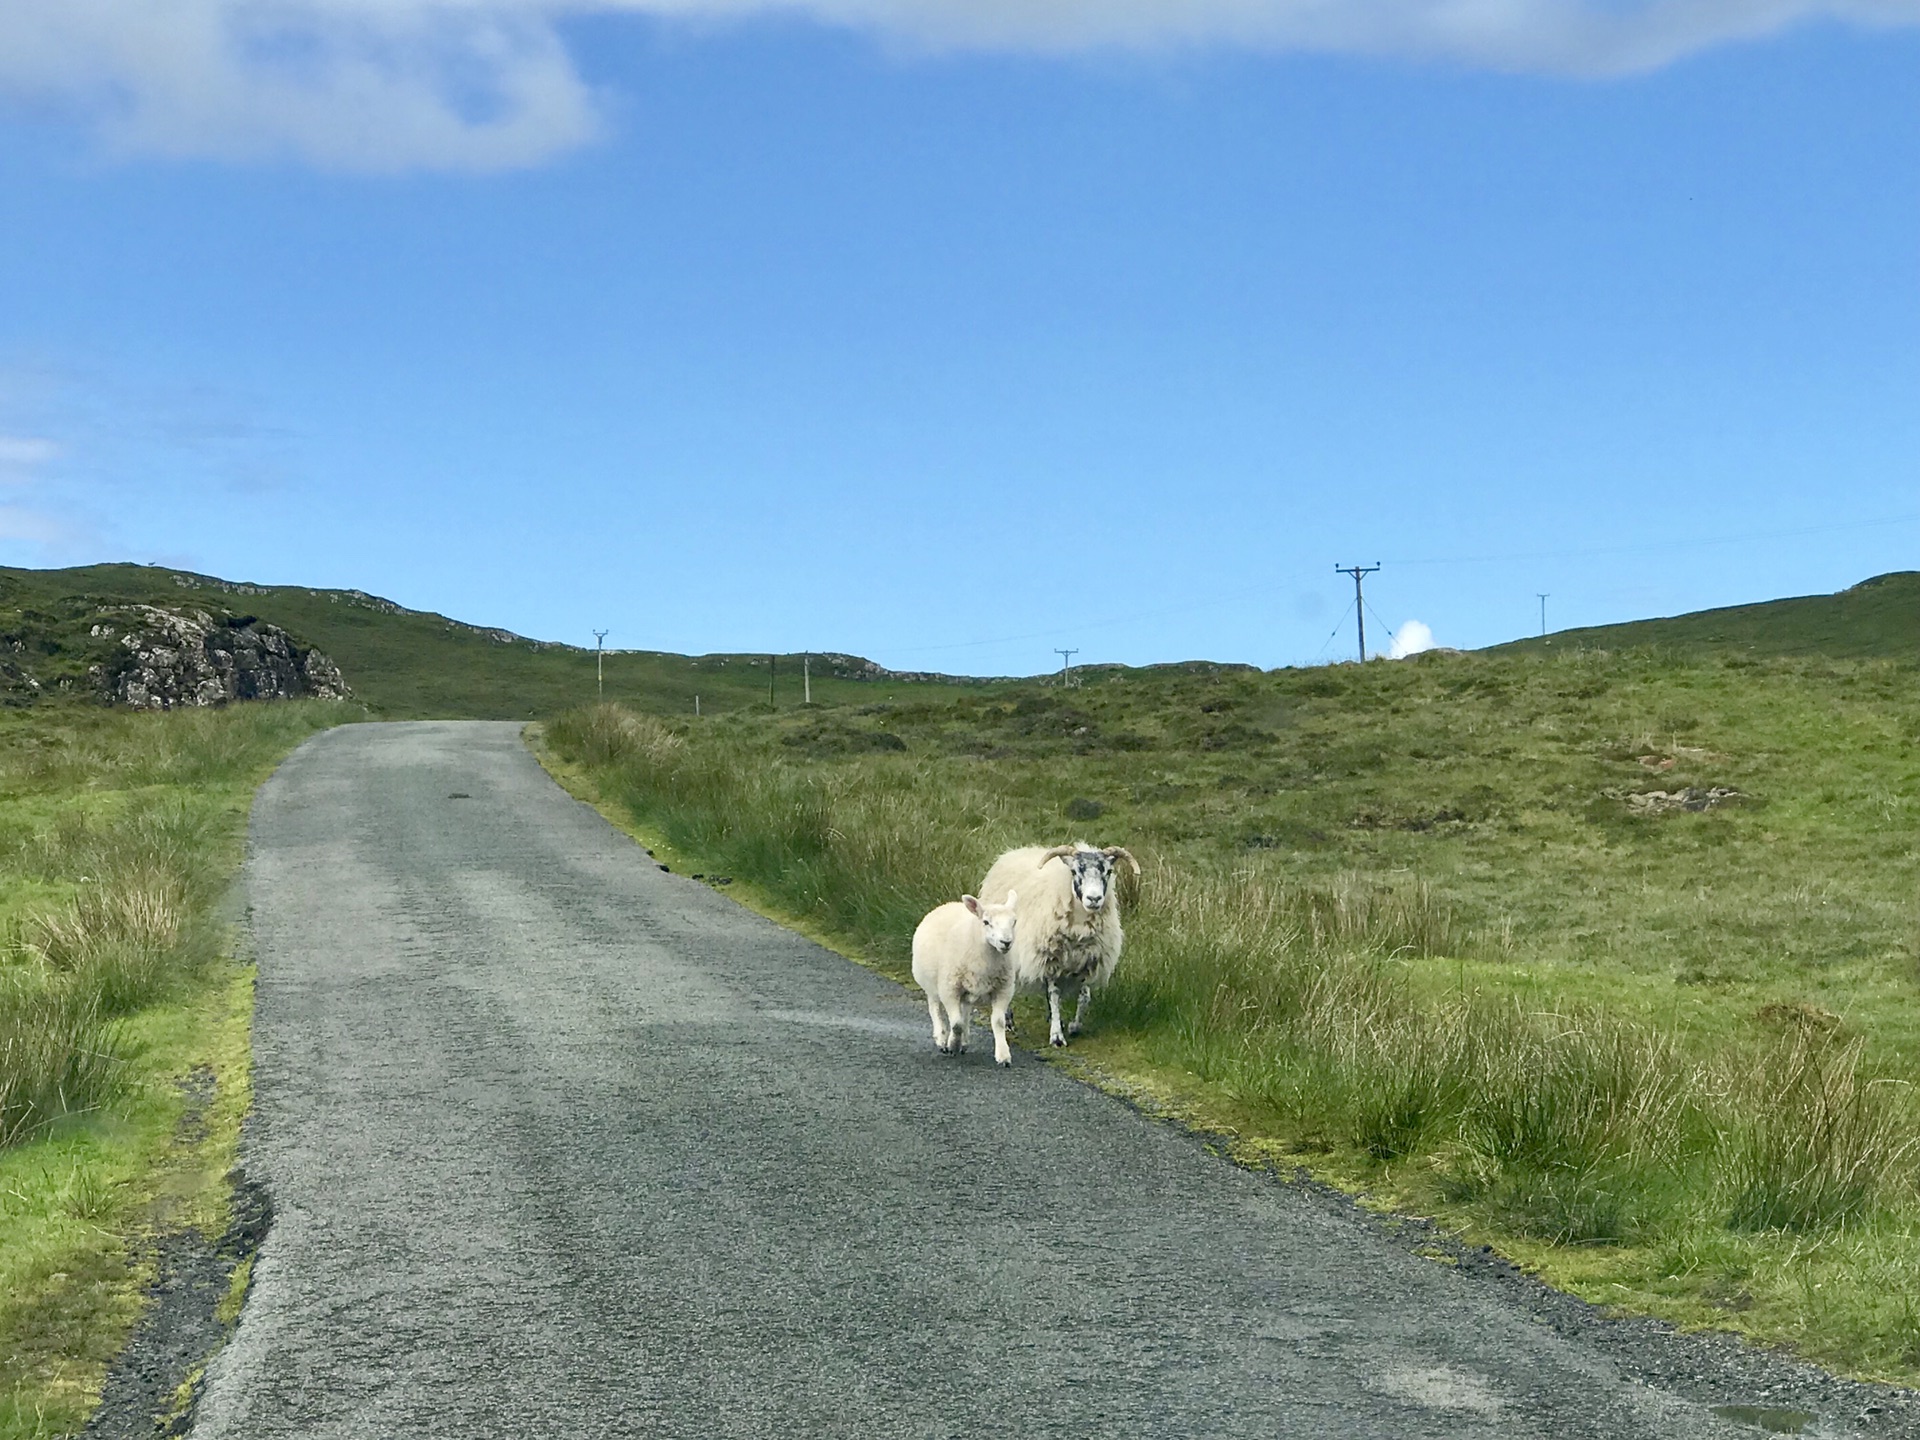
(1694, 797)
(167, 659)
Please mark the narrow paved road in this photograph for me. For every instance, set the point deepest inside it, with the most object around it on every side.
(560, 1145)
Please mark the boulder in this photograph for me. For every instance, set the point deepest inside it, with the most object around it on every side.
(171, 658)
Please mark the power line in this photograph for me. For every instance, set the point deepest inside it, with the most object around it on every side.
(1661, 546)
(1270, 589)
(1359, 573)
(1333, 632)
(1384, 625)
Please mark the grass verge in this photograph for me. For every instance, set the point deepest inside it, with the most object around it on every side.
(123, 1020)
(1473, 977)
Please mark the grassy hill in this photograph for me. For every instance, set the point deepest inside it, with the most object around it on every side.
(1878, 618)
(404, 664)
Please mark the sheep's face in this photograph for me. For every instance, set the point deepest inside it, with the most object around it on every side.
(995, 920)
(1092, 877)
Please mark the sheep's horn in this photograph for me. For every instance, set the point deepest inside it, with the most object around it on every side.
(1120, 852)
(1056, 852)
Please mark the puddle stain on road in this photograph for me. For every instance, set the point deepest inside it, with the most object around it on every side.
(1438, 1387)
(1763, 1417)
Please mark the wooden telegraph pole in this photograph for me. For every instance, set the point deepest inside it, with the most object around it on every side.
(1359, 572)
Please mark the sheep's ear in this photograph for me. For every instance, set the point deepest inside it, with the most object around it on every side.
(971, 903)
(1012, 897)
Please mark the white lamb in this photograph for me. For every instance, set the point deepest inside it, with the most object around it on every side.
(960, 960)
(1069, 931)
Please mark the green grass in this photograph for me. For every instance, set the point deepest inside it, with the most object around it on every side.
(401, 664)
(118, 836)
(1876, 619)
(1401, 923)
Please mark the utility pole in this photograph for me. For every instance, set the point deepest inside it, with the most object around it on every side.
(1066, 665)
(806, 679)
(1359, 572)
(1543, 612)
(773, 662)
(600, 661)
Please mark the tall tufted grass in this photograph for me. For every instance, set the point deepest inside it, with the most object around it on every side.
(1304, 1002)
(119, 839)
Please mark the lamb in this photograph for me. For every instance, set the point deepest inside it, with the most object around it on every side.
(1069, 933)
(960, 960)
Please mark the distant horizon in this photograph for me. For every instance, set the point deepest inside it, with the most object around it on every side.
(826, 651)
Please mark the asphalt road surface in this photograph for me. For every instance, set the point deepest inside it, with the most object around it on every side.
(560, 1145)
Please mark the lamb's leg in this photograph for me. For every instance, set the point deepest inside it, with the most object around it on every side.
(962, 1015)
(1054, 1035)
(938, 1016)
(1080, 1007)
(1002, 1003)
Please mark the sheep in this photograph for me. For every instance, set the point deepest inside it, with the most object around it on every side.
(1069, 931)
(960, 960)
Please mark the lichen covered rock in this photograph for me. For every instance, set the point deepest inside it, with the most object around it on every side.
(171, 658)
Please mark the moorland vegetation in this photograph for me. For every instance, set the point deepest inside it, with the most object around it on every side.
(1418, 927)
(123, 1019)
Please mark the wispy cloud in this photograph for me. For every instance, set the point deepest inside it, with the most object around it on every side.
(86, 456)
(35, 527)
(373, 85)
(367, 85)
(24, 516)
(21, 457)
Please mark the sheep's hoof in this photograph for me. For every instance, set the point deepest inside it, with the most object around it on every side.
(1006, 1064)
(1073, 1029)
(1059, 1042)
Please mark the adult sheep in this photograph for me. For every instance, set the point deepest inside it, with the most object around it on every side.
(1068, 935)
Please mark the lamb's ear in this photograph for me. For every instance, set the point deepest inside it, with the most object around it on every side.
(971, 903)
(1013, 898)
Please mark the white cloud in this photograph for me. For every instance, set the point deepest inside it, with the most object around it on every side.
(368, 85)
(1410, 639)
(21, 454)
(489, 84)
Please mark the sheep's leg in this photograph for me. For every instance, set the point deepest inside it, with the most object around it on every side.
(961, 1014)
(940, 1039)
(1054, 1034)
(1080, 1007)
(1002, 1003)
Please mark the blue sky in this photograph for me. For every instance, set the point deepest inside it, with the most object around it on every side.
(948, 334)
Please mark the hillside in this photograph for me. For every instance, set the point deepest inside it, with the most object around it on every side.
(1876, 619)
(397, 662)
